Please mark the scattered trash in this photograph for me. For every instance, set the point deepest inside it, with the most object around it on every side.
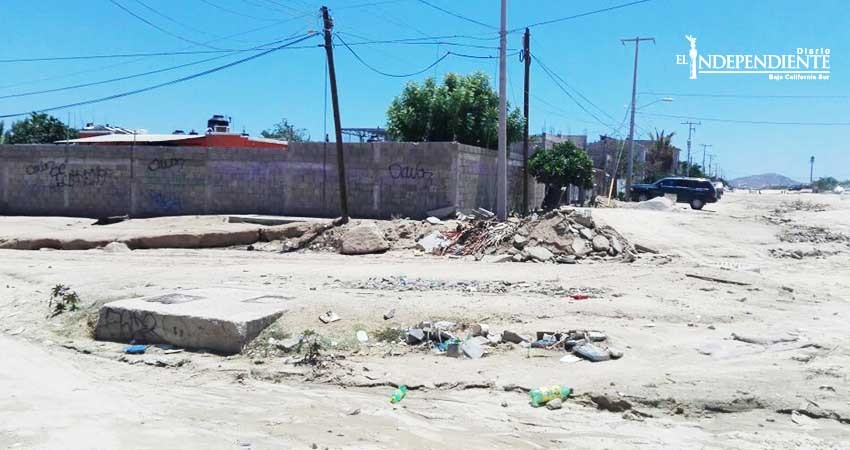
(480, 329)
(592, 353)
(389, 314)
(543, 395)
(452, 349)
(172, 351)
(615, 353)
(716, 280)
(111, 219)
(570, 359)
(414, 336)
(605, 402)
(554, 404)
(135, 349)
(288, 344)
(362, 336)
(433, 220)
(471, 349)
(399, 394)
(580, 296)
(510, 336)
(354, 412)
(644, 249)
(329, 317)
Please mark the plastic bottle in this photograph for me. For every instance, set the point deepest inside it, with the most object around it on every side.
(399, 394)
(542, 395)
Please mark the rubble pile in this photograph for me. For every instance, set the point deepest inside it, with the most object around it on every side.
(800, 253)
(800, 205)
(564, 235)
(814, 235)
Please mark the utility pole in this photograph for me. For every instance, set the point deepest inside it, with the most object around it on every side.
(710, 161)
(811, 171)
(526, 54)
(502, 166)
(631, 162)
(704, 146)
(340, 160)
(691, 130)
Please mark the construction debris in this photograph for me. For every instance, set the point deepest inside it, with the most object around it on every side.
(329, 317)
(716, 280)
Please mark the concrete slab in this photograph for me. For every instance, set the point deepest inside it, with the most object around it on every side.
(219, 319)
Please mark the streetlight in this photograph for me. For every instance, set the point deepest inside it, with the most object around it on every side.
(663, 99)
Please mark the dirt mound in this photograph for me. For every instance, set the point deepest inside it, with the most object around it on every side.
(653, 204)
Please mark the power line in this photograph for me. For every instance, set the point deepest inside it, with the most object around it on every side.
(553, 77)
(167, 83)
(577, 92)
(171, 19)
(235, 13)
(163, 30)
(671, 94)
(753, 122)
(372, 68)
(454, 14)
(548, 22)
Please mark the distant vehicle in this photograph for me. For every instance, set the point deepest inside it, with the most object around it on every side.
(797, 187)
(694, 191)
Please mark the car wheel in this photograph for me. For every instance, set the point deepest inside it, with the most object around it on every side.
(642, 198)
(697, 203)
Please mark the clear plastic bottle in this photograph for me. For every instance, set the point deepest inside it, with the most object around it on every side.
(542, 395)
(399, 394)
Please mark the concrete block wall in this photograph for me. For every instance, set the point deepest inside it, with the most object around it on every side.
(384, 180)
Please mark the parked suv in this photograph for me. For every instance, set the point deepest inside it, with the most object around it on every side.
(695, 191)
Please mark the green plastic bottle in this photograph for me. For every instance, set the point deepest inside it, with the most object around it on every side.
(399, 394)
(542, 395)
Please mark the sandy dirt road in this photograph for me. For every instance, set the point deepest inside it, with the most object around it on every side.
(689, 383)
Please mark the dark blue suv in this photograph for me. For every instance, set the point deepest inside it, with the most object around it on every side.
(695, 191)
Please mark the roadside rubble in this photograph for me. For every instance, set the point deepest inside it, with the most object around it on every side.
(562, 236)
(474, 341)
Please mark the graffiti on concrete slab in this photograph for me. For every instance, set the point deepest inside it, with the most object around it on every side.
(166, 163)
(61, 175)
(399, 171)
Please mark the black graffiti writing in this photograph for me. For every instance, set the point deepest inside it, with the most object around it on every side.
(140, 327)
(166, 163)
(60, 175)
(398, 171)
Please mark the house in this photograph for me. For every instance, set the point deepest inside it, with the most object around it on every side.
(217, 135)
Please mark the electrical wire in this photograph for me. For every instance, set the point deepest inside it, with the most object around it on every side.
(456, 15)
(752, 122)
(570, 95)
(378, 71)
(167, 83)
(576, 16)
(236, 13)
(163, 30)
(574, 89)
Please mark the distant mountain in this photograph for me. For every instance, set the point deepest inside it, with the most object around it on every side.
(762, 181)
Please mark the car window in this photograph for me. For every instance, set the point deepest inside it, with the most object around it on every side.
(666, 182)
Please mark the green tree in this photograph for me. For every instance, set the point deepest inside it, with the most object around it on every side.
(559, 166)
(39, 128)
(696, 170)
(465, 108)
(660, 156)
(2, 132)
(826, 184)
(285, 131)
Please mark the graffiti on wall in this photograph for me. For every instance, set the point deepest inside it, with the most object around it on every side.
(60, 175)
(399, 171)
(166, 163)
(165, 202)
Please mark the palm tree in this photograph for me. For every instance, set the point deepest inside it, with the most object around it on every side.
(660, 160)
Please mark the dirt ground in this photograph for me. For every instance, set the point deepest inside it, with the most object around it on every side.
(685, 381)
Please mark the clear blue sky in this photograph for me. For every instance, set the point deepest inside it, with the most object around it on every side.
(585, 51)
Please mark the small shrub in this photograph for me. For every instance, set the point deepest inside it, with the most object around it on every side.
(63, 299)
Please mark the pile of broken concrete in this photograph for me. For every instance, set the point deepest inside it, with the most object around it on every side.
(565, 235)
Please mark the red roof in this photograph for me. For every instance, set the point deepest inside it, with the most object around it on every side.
(183, 140)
